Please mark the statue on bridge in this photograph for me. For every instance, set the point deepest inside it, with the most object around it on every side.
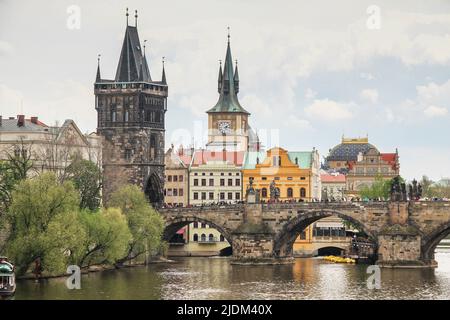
(274, 191)
(398, 190)
(415, 190)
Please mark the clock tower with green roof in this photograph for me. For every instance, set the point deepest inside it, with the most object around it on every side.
(228, 126)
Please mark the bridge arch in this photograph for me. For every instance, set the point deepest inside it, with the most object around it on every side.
(430, 242)
(285, 238)
(175, 224)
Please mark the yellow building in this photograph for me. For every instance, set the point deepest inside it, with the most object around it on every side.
(296, 176)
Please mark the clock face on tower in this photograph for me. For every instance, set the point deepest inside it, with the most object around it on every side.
(224, 127)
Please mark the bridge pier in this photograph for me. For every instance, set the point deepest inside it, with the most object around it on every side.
(399, 242)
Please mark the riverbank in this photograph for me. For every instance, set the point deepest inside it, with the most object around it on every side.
(97, 268)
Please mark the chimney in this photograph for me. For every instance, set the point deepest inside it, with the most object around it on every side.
(20, 120)
(34, 120)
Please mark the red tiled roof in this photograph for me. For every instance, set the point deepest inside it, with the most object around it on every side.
(186, 159)
(390, 158)
(204, 156)
(332, 178)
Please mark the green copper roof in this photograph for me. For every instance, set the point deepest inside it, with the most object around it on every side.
(250, 159)
(304, 158)
(228, 100)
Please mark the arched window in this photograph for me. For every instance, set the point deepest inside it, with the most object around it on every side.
(203, 237)
(211, 237)
(222, 238)
(203, 225)
(264, 192)
(290, 193)
(152, 147)
(302, 192)
(195, 237)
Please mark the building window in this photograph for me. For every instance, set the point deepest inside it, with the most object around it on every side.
(204, 225)
(203, 237)
(302, 178)
(195, 195)
(195, 237)
(264, 192)
(175, 192)
(211, 182)
(203, 182)
(169, 178)
(127, 154)
(289, 178)
(303, 235)
(180, 192)
(180, 178)
(196, 182)
(237, 173)
(113, 116)
(203, 174)
(175, 178)
(238, 182)
(203, 195)
(302, 192)
(125, 116)
(264, 178)
(230, 196)
(196, 225)
(290, 193)
(222, 182)
(238, 196)
(222, 196)
(211, 196)
(222, 238)
(152, 147)
(211, 237)
(169, 192)
(230, 182)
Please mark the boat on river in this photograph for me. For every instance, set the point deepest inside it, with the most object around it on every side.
(7, 278)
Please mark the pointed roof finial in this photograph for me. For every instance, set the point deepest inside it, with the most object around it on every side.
(228, 28)
(135, 18)
(163, 79)
(127, 14)
(144, 47)
(98, 77)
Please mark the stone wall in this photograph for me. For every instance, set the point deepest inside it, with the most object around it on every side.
(252, 246)
(399, 250)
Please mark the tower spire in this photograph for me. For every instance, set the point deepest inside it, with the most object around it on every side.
(98, 77)
(163, 79)
(135, 18)
(220, 78)
(127, 14)
(236, 78)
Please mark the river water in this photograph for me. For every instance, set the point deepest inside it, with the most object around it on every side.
(216, 278)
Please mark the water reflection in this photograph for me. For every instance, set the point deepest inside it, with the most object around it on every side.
(216, 278)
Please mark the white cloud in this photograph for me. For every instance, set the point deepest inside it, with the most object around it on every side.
(369, 95)
(10, 101)
(435, 111)
(6, 48)
(298, 123)
(329, 110)
(310, 93)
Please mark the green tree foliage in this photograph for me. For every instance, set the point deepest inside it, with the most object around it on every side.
(145, 223)
(107, 238)
(380, 189)
(86, 177)
(431, 189)
(13, 170)
(44, 224)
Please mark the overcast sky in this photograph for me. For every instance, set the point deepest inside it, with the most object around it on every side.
(310, 71)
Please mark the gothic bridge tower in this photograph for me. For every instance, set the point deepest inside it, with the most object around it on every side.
(131, 120)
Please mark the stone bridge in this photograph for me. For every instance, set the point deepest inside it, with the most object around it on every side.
(404, 233)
